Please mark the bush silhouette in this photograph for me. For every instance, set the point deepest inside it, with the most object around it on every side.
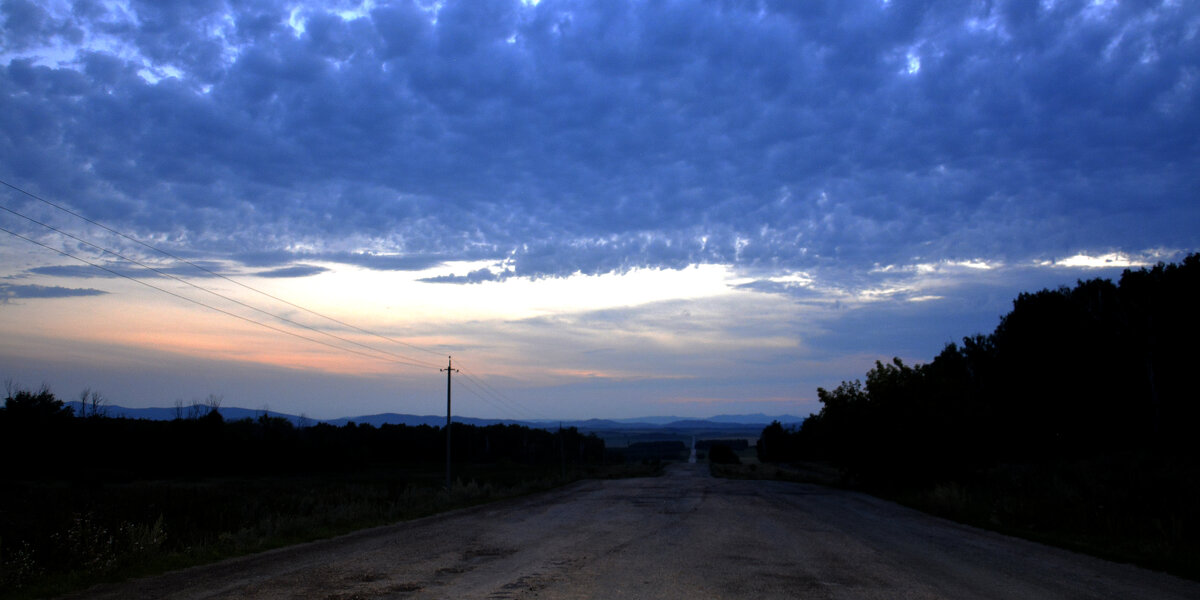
(722, 454)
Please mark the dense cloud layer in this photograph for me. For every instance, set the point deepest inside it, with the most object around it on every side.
(577, 136)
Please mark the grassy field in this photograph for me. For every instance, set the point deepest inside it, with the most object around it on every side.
(60, 536)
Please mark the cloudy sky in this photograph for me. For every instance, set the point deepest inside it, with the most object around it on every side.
(601, 208)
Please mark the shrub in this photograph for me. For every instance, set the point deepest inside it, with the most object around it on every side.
(723, 455)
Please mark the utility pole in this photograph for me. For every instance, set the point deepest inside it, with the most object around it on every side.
(449, 369)
(562, 450)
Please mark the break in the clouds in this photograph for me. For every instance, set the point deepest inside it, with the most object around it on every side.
(558, 137)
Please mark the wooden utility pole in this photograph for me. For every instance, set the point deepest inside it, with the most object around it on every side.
(449, 369)
(562, 450)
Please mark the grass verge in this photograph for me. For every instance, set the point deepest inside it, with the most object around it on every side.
(798, 473)
(60, 537)
(1127, 510)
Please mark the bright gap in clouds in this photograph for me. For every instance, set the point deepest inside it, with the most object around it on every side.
(434, 317)
(400, 297)
(1110, 260)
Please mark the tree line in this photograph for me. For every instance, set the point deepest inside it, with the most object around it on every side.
(1100, 369)
(43, 438)
(86, 497)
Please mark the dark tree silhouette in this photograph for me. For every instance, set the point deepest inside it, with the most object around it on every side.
(722, 454)
(24, 407)
(1071, 373)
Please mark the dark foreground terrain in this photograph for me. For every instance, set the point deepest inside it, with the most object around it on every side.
(684, 535)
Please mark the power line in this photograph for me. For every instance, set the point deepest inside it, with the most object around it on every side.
(507, 411)
(208, 306)
(214, 273)
(490, 397)
(413, 362)
(499, 398)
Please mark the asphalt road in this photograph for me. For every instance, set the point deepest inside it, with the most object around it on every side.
(683, 535)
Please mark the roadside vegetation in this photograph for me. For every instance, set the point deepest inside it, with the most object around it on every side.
(1073, 423)
(88, 499)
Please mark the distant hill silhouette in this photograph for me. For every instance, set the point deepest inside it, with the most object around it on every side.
(234, 413)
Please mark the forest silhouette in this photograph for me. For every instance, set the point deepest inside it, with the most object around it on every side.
(85, 497)
(55, 443)
(1074, 421)
(1098, 369)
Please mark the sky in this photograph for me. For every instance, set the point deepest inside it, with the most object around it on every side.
(599, 208)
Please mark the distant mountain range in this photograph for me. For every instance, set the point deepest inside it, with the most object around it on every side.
(234, 413)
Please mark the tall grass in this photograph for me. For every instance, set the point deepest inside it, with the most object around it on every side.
(59, 537)
(1135, 509)
(1128, 509)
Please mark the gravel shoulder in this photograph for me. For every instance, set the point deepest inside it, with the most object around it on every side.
(682, 535)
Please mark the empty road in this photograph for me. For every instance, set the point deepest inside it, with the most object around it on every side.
(683, 535)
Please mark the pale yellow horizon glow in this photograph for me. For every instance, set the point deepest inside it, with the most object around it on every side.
(538, 330)
(395, 304)
(401, 298)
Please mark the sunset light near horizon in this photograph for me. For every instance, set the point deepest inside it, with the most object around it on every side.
(602, 209)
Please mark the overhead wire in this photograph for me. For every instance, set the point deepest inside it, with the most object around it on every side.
(477, 392)
(497, 397)
(466, 385)
(508, 412)
(205, 305)
(485, 391)
(161, 273)
(211, 272)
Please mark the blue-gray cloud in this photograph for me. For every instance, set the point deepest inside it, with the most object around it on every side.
(369, 260)
(292, 271)
(594, 136)
(9, 292)
(126, 270)
(82, 271)
(477, 276)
